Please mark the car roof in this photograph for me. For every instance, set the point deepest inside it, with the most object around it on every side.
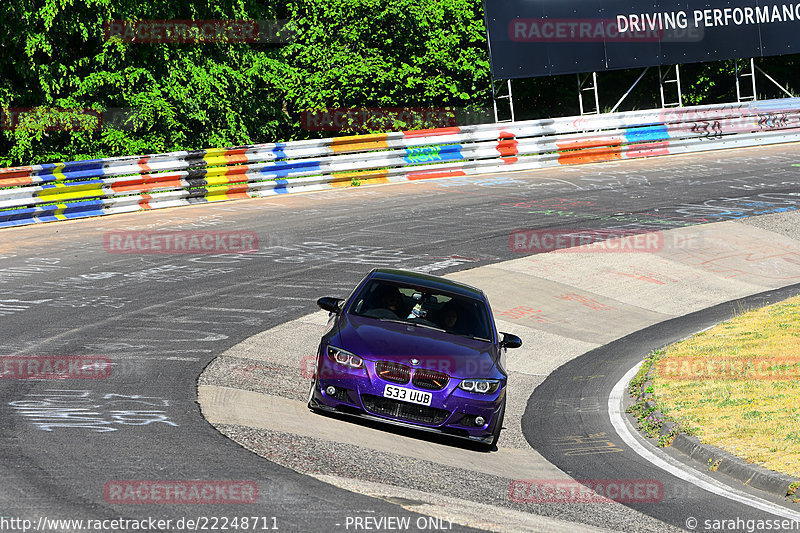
(427, 281)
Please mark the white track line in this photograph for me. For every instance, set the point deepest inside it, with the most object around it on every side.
(675, 467)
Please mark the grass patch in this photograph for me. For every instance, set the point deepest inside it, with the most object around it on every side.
(650, 419)
(792, 492)
(737, 385)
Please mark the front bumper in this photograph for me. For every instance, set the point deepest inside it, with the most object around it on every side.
(453, 411)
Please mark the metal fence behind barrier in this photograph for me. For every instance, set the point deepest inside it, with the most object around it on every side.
(77, 189)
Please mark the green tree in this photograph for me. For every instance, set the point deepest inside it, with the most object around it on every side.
(400, 53)
(56, 55)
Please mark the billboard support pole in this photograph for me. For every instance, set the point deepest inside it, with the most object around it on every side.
(624, 96)
(739, 75)
(778, 85)
(508, 96)
(582, 88)
(662, 80)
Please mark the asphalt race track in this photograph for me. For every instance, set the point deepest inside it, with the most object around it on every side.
(162, 318)
(549, 428)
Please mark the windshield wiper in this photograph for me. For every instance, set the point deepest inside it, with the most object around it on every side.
(473, 337)
(408, 323)
(395, 320)
(425, 326)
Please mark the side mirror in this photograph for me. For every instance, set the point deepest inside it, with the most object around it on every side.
(510, 341)
(330, 304)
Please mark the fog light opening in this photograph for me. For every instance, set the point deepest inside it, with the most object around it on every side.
(479, 421)
(330, 390)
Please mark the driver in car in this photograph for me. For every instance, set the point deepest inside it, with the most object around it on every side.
(392, 300)
(449, 317)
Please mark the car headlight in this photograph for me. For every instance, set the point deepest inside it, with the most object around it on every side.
(480, 386)
(343, 357)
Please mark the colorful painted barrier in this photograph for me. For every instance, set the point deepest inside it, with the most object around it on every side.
(77, 189)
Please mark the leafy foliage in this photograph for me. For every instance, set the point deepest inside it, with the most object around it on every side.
(403, 53)
(173, 96)
(133, 98)
(164, 96)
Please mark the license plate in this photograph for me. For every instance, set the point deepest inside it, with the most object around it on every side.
(407, 395)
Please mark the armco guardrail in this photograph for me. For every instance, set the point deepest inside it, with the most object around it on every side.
(58, 191)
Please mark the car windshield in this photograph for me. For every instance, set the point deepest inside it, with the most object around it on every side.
(454, 314)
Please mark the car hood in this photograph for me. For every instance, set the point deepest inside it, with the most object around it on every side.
(457, 356)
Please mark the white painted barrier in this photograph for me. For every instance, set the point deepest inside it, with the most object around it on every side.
(77, 189)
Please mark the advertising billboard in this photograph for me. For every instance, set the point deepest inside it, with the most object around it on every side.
(529, 38)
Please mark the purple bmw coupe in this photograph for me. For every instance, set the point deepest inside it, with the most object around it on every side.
(414, 350)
